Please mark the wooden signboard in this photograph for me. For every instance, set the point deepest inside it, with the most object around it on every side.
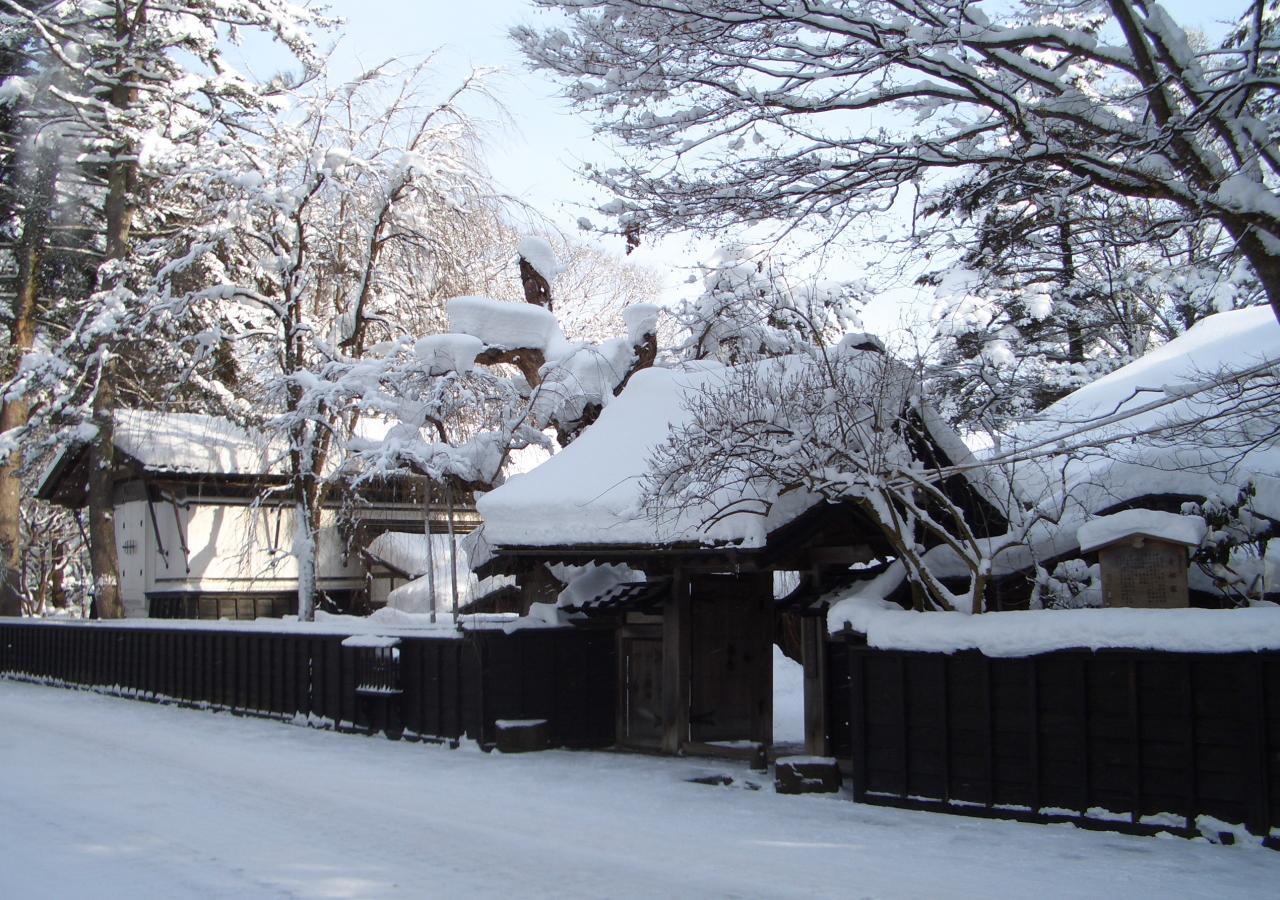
(1144, 572)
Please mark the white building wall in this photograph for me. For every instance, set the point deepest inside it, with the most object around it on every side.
(239, 548)
(131, 528)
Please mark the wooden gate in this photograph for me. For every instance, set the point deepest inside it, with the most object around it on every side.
(640, 687)
(731, 644)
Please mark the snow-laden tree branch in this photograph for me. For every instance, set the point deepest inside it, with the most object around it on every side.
(846, 425)
(759, 110)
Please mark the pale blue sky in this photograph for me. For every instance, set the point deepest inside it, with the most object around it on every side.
(535, 156)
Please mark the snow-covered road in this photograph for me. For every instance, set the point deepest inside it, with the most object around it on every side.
(103, 797)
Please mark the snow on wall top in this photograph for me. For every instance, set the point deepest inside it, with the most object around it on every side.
(888, 626)
(1100, 437)
(196, 444)
(1103, 530)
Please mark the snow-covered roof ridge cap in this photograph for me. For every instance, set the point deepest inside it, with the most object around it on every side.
(1147, 523)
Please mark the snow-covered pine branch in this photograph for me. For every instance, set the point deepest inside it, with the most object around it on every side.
(740, 111)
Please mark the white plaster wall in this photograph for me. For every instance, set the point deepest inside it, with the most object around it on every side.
(237, 547)
(131, 528)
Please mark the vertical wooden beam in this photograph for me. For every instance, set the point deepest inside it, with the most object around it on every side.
(1253, 757)
(1034, 776)
(675, 665)
(762, 605)
(1082, 728)
(1191, 780)
(988, 729)
(1135, 740)
(858, 721)
(813, 653)
(942, 686)
(903, 712)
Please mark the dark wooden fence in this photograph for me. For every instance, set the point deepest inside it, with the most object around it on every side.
(1071, 735)
(430, 687)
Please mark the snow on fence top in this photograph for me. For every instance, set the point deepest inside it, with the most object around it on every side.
(1181, 420)
(1010, 634)
(384, 623)
(1164, 526)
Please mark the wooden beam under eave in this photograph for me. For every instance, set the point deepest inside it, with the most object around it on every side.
(675, 665)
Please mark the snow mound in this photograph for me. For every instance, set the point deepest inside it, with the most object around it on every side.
(538, 253)
(445, 353)
(640, 319)
(590, 493)
(508, 326)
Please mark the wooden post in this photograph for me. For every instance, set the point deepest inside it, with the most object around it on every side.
(763, 701)
(1252, 713)
(814, 656)
(858, 722)
(675, 665)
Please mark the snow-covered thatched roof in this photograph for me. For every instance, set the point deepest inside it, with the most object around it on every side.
(1194, 420)
(194, 443)
(1195, 417)
(169, 443)
(590, 494)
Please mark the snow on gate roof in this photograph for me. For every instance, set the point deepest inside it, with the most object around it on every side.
(589, 494)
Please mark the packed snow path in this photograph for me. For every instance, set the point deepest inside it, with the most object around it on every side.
(107, 797)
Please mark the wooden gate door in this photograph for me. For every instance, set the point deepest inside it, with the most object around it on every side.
(731, 643)
(640, 686)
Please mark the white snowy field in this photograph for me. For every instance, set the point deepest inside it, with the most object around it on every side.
(105, 797)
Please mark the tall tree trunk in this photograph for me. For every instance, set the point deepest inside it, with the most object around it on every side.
(118, 210)
(14, 410)
(103, 561)
(13, 414)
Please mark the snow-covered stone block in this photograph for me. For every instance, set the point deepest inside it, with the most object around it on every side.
(522, 735)
(806, 775)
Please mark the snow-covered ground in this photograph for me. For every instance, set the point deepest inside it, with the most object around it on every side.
(106, 797)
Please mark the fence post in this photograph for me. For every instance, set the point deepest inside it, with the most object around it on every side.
(858, 722)
(1252, 712)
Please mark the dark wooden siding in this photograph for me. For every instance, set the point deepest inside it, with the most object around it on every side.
(442, 688)
(1068, 734)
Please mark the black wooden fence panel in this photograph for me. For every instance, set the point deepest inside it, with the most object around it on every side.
(447, 687)
(1080, 735)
